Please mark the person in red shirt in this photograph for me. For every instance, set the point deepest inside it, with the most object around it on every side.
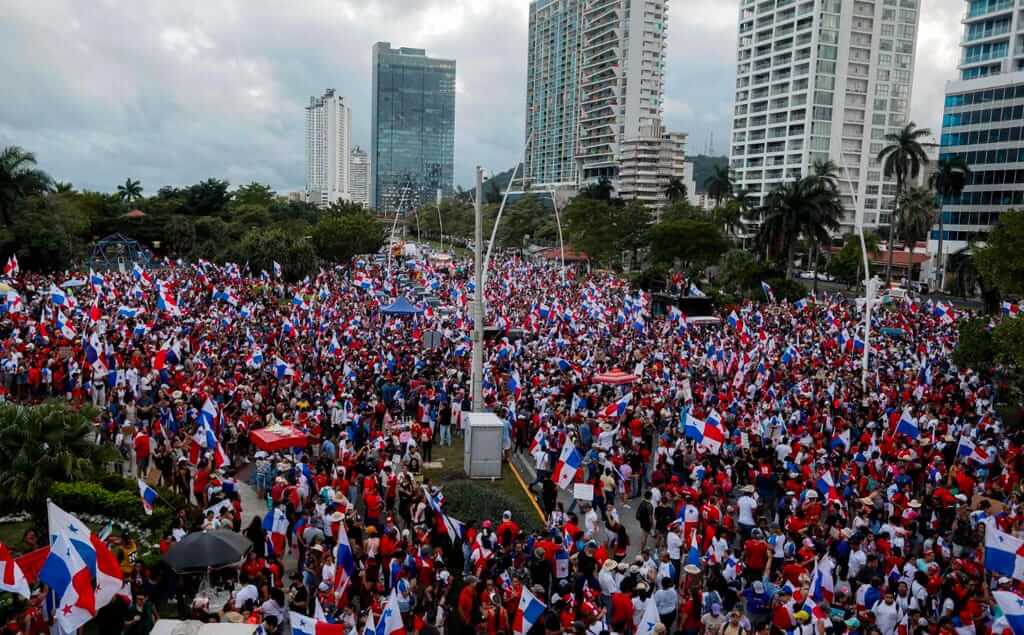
(508, 530)
(755, 555)
(373, 507)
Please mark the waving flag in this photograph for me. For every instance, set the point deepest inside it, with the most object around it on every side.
(71, 585)
(617, 408)
(391, 618)
(299, 302)
(277, 269)
(11, 268)
(906, 425)
(822, 584)
(705, 434)
(255, 358)
(1012, 606)
(275, 523)
(109, 579)
(529, 612)
(801, 304)
(129, 312)
(78, 535)
(12, 578)
(346, 562)
(1004, 554)
(302, 625)
(167, 355)
(57, 295)
(568, 462)
(282, 368)
(943, 312)
(650, 618)
(971, 451)
(208, 414)
(148, 495)
(767, 291)
(141, 274)
(1011, 309)
(693, 555)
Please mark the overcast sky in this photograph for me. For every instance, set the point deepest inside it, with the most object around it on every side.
(175, 92)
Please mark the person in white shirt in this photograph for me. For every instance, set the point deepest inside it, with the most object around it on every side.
(887, 614)
(674, 544)
(746, 506)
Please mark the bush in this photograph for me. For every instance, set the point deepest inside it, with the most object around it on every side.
(94, 498)
(466, 500)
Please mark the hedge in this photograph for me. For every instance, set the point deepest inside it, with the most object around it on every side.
(471, 501)
(125, 505)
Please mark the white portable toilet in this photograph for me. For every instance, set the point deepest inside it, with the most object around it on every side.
(483, 449)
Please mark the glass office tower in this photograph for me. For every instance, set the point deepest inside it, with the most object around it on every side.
(412, 148)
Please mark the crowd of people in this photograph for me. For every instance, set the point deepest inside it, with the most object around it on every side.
(743, 476)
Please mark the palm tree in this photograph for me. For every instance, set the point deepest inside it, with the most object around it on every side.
(130, 191)
(720, 184)
(63, 187)
(805, 207)
(948, 181)
(19, 179)
(675, 190)
(916, 216)
(601, 190)
(827, 170)
(730, 214)
(902, 159)
(42, 445)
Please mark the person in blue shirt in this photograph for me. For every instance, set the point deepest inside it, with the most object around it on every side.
(758, 604)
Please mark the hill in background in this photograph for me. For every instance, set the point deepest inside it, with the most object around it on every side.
(704, 166)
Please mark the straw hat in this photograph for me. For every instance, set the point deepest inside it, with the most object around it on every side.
(609, 565)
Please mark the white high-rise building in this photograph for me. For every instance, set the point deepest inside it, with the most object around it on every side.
(328, 148)
(595, 77)
(647, 164)
(621, 80)
(822, 80)
(358, 185)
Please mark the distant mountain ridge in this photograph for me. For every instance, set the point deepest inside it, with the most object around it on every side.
(704, 166)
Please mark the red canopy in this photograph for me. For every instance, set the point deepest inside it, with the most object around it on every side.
(615, 377)
(277, 438)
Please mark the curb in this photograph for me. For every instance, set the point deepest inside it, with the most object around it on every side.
(526, 490)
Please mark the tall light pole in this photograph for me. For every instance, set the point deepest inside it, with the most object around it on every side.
(478, 295)
(869, 283)
(440, 223)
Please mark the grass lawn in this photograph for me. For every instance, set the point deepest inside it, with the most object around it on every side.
(471, 497)
(455, 250)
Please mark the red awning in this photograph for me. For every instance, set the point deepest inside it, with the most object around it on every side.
(615, 377)
(277, 439)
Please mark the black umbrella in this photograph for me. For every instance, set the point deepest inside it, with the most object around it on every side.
(207, 549)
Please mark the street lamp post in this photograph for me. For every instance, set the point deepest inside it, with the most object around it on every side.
(478, 295)
(869, 282)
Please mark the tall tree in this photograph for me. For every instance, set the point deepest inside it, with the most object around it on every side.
(902, 159)
(675, 190)
(130, 191)
(949, 180)
(916, 215)
(720, 184)
(827, 170)
(19, 179)
(1000, 259)
(602, 190)
(805, 207)
(63, 187)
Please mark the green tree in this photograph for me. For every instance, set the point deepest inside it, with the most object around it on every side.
(43, 445)
(180, 234)
(847, 266)
(1008, 341)
(902, 159)
(915, 215)
(739, 271)
(602, 190)
(63, 187)
(261, 247)
(975, 347)
(527, 216)
(254, 194)
(720, 184)
(339, 237)
(207, 198)
(19, 179)
(805, 207)
(675, 190)
(949, 180)
(827, 170)
(1000, 260)
(692, 242)
(50, 232)
(130, 191)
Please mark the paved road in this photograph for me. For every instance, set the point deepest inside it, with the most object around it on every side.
(626, 510)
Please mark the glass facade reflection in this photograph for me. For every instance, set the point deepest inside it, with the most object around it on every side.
(413, 128)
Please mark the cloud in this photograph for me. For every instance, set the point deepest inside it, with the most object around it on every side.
(175, 92)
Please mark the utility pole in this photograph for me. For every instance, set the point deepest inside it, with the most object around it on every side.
(478, 295)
